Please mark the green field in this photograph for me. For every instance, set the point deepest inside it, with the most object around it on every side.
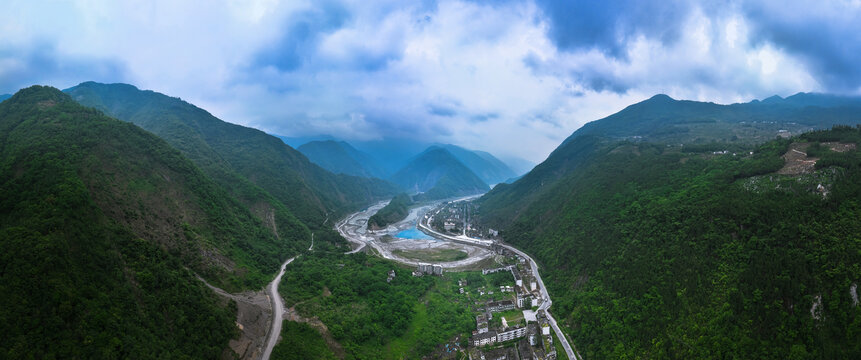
(432, 255)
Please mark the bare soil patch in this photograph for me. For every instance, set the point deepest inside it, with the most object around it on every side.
(839, 147)
(797, 161)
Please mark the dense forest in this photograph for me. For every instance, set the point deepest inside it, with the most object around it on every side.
(300, 341)
(396, 210)
(79, 277)
(661, 251)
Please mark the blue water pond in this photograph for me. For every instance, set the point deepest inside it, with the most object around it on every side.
(413, 233)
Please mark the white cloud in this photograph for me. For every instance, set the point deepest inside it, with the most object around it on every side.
(483, 76)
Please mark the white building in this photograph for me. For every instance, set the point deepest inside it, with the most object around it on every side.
(511, 334)
(484, 339)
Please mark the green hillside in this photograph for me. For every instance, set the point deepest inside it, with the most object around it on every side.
(396, 210)
(484, 165)
(438, 174)
(656, 251)
(101, 226)
(695, 125)
(340, 157)
(258, 168)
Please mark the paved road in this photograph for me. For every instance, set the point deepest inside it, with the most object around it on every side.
(545, 303)
(363, 240)
(277, 312)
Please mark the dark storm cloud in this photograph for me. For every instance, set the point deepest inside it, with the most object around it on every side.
(484, 117)
(606, 25)
(302, 35)
(441, 110)
(829, 42)
(41, 63)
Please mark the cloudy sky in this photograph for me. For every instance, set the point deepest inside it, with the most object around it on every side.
(510, 77)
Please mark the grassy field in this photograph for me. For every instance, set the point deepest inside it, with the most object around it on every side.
(432, 255)
(403, 345)
(512, 317)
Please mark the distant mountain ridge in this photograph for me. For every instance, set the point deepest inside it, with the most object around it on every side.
(486, 166)
(438, 174)
(363, 159)
(342, 158)
(666, 120)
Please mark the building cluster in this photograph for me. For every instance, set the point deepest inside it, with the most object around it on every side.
(391, 276)
(535, 342)
(428, 269)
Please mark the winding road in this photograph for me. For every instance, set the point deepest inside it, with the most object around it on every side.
(362, 240)
(277, 312)
(277, 307)
(545, 296)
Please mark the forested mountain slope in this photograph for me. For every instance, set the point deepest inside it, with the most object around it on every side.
(101, 226)
(438, 174)
(656, 251)
(242, 159)
(340, 157)
(396, 210)
(696, 125)
(484, 165)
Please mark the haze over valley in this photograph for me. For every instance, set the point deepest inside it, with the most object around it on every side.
(448, 179)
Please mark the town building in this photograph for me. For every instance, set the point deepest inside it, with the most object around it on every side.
(507, 353)
(429, 269)
(481, 323)
(532, 334)
(491, 271)
(545, 329)
(497, 306)
(482, 339)
(511, 334)
(517, 279)
(525, 349)
(524, 301)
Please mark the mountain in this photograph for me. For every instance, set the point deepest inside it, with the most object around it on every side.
(487, 167)
(297, 141)
(438, 174)
(693, 124)
(340, 157)
(518, 165)
(103, 227)
(266, 174)
(687, 251)
(396, 210)
(663, 119)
